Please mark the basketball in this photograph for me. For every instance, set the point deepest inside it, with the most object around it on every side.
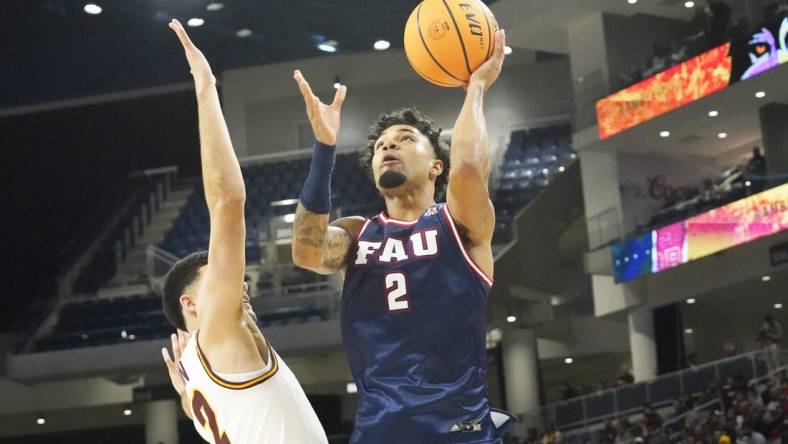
(446, 40)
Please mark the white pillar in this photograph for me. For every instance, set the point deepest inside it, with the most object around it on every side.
(161, 422)
(642, 345)
(521, 367)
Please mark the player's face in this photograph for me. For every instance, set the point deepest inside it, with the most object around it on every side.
(192, 304)
(401, 155)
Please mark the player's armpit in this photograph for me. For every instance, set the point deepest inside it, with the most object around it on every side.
(320, 247)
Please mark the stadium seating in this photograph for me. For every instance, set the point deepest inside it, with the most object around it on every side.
(532, 159)
(117, 320)
(145, 198)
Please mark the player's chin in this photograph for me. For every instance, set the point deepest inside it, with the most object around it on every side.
(391, 179)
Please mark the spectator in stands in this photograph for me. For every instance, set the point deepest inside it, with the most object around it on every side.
(652, 420)
(755, 171)
(551, 434)
(692, 360)
(749, 436)
(625, 377)
(729, 349)
(720, 26)
(569, 392)
(770, 334)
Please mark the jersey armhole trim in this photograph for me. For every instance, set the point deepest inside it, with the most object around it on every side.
(237, 385)
(450, 220)
(363, 228)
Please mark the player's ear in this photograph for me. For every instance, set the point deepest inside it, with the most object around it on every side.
(436, 169)
(188, 305)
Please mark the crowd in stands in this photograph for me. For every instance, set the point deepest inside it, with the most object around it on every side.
(737, 411)
(736, 182)
(711, 26)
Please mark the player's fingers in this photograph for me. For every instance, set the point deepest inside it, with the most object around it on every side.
(339, 97)
(166, 355)
(500, 44)
(174, 342)
(306, 90)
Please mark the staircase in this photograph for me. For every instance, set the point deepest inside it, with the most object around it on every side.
(133, 270)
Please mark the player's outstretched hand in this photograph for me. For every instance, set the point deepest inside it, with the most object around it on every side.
(179, 342)
(487, 73)
(200, 68)
(324, 118)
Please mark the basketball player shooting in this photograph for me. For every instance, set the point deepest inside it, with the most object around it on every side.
(235, 387)
(417, 276)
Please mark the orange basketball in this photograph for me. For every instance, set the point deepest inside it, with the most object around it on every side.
(446, 40)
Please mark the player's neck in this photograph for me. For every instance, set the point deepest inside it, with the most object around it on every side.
(409, 206)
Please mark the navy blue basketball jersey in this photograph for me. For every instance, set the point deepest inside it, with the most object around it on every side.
(414, 330)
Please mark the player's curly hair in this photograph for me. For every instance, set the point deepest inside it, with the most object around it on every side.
(425, 125)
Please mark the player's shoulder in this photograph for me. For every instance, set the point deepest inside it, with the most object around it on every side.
(351, 224)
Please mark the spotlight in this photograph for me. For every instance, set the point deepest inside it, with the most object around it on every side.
(568, 360)
(40, 420)
(507, 50)
(632, 2)
(243, 33)
(329, 46)
(722, 135)
(691, 301)
(760, 94)
(215, 6)
(664, 134)
(289, 218)
(511, 319)
(689, 5)
(127, 412)
(337, 83)
(93, 9)
(778, 306)
(195, 22)
(714, 113)
(382, 45)
(689, 331)
(766, 278)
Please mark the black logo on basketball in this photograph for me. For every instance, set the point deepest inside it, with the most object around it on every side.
(438, 29)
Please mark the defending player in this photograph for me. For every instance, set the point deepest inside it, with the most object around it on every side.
(238, 391)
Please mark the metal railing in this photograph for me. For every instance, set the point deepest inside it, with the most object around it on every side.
(588, 409)
(603, 228)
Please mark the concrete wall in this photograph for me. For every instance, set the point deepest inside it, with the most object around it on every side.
(263, 106)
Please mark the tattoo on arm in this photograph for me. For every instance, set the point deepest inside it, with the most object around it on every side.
(328, 242)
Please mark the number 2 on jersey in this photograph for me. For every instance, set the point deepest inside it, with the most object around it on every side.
(397, 292)
(205, 414)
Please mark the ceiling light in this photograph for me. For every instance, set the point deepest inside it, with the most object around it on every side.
(511, 319)
(760, 94)
(722, 135)
(351, 388)
(689, 331)
(747, 183)
(194, 22)
(691, 301)
(689, 4)
(545, 171)
(337, 83)
(243, 33)
(664, 134)
(329, 46)
(289, 218)
(215, 6)
(40, 420)
(778, 306)
(632, 2)
(766, 278)
(127, 412)
(93, 9)
(507, 50)
(561, 169)
(382, 45)
(568, 360)
(714, 113)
